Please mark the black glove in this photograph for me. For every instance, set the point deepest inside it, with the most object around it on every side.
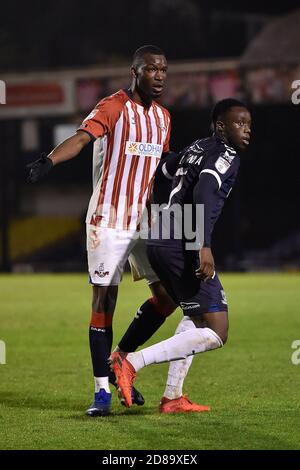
(39, 168)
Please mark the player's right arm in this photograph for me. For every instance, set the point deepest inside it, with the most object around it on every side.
(70, 148)
(98, 123)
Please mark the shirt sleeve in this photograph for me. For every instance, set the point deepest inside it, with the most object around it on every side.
(103, 118)
(205, 192)
(168, 164)
(166, 147)
(221, 165)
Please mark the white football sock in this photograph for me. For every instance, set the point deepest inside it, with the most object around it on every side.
(178, 369)
(101, 382)
(136, 359)
(177, 347)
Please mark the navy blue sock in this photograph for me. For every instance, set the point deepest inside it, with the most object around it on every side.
(146, 322)
(100, 346)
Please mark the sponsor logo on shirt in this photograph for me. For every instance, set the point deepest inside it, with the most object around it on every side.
(143, 149)
(222, 165)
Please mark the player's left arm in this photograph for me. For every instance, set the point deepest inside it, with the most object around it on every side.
(205, 192)
(168, 165)
(211, 178)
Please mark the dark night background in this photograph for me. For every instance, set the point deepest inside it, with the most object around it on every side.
(34, 36)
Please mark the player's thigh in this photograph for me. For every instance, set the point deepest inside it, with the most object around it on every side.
(168, 265)
(209, 297)
(107, 252)
(142, 269)
(165, 300)
(209, 307)
(139, 263)
(104, 299)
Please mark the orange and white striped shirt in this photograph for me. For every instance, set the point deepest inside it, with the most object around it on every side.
(129, 140)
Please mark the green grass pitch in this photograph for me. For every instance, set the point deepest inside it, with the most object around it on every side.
(252, 385)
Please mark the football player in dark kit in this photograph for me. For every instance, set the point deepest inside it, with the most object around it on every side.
(205, 175)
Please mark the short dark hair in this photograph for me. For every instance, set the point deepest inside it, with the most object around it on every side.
(221, 107)
(148, 49)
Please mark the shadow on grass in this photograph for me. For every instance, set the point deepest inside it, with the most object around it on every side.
(132, 413)
(21, 401)
(219, 430)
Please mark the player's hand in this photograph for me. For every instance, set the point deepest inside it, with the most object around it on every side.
(39, 168)
(207, 265)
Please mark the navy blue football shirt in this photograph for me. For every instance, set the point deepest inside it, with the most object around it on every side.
(203, 174)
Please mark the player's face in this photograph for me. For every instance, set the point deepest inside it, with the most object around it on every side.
(237, 127)
(151, 75)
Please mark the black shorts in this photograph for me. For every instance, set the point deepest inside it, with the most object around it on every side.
(176, 270)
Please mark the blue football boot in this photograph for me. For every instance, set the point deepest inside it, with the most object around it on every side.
(136, 396)
(101, 405)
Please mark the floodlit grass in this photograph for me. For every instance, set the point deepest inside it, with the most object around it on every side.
(46, 385)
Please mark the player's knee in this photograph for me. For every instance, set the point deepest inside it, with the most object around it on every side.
(224, 337)
(217, 322)
(222, 334)
(104, 299)
(161, 300)
(163, 304)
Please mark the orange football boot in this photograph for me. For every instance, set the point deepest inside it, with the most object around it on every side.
(180, 405)
(125, 376)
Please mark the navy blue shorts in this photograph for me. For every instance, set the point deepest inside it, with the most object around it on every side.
(176, 270)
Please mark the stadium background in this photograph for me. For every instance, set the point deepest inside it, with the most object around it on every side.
(57, 62)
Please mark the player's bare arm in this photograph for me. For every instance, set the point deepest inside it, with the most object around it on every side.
(68, 149)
